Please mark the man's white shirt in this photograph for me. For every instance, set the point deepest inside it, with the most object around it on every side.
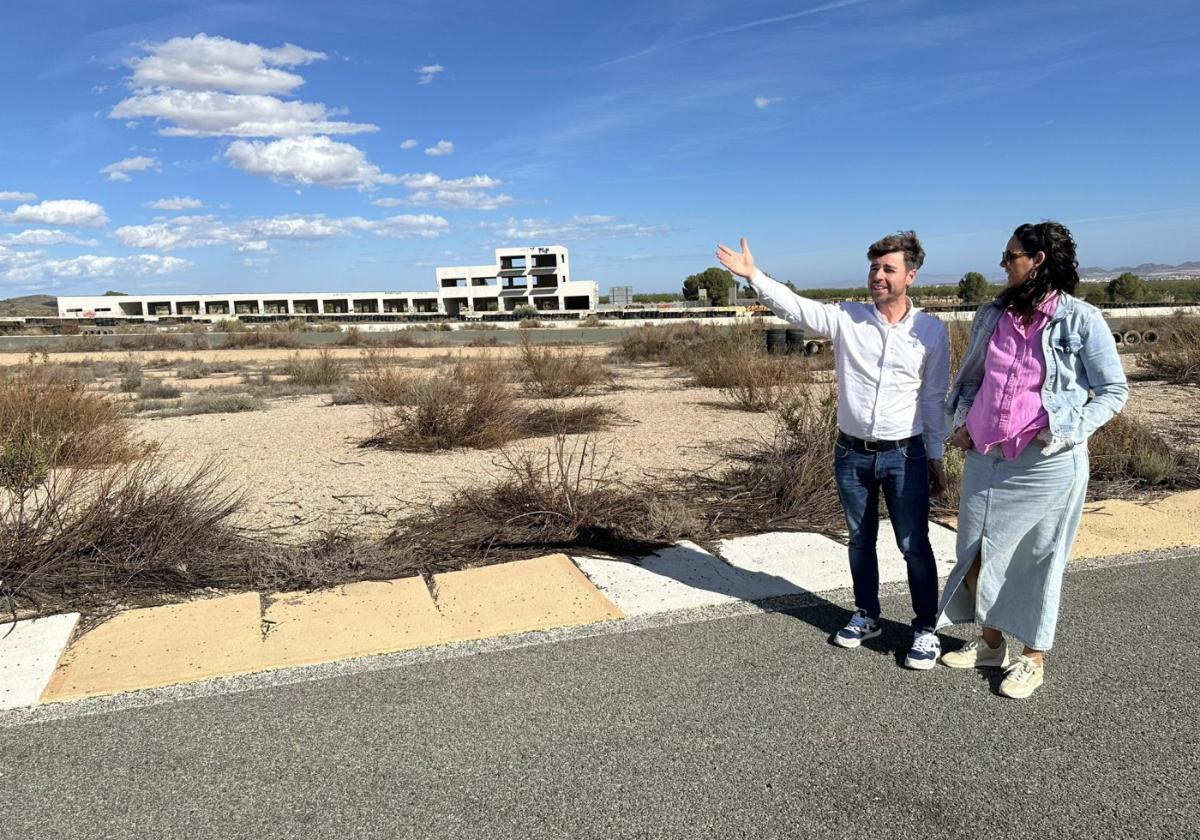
(892, 378)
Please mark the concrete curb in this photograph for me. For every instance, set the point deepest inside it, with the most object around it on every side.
(239, 635)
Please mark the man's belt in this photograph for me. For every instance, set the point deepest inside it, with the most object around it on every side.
(860, 445)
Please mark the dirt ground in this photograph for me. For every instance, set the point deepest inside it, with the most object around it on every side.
(303, 470)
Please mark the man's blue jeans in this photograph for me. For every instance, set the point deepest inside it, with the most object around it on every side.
(903, 476)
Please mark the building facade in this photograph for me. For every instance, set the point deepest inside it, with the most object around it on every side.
(537, 276)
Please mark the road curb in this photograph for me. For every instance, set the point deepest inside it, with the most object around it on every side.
(244, 634)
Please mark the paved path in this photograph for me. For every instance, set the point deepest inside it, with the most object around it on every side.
(746, 726)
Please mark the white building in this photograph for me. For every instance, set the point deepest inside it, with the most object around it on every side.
(538, 276)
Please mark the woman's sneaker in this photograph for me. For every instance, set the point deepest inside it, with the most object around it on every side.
(924, 652)
(977, 654)
(860, 628)
(1021, 678)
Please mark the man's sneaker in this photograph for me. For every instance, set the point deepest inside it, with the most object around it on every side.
(1021, 678)
(977, 654)
(924, 652)
(857, 631)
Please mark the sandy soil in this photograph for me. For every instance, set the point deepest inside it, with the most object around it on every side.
(301, 466)
(303, 469)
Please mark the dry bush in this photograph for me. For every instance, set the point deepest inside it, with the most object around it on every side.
(467, 405)
(151, 341)
(157, 389)
(576, 420)
(322, 371)
(382, 381)
(959, 333)
(1127, 456)
(1176, 359)
(354, 337)
(785, 481)
(215, 402)
(260, 338)
(559, 372)
(663, 343)
(566, 498)
(47, 422)
(530, 324)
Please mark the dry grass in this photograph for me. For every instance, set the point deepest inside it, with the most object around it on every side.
(566, 498)
(784, 482)
(558, 372)
(467, 405)
(382, 381)
(218, 402)
(320, 372)
(1176, 359)
(1128, 457)
(47, 421)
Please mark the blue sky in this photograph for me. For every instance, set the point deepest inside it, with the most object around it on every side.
(184, 146)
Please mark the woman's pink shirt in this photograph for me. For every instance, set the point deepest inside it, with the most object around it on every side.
(1008, 411)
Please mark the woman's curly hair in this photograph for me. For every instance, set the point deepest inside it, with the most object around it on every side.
(1059, 272)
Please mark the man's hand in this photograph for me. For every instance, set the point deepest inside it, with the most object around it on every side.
(740, 264)
(961, 439)
(937, 477)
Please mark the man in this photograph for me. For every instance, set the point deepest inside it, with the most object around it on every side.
(893, 363)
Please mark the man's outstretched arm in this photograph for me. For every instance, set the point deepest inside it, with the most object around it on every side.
(821, 318)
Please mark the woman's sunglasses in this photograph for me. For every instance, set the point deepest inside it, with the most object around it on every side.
(1007, 256)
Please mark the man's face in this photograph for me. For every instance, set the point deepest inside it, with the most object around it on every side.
(888, 280)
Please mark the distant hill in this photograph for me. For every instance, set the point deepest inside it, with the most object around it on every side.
(1147, 271)
(29, 306)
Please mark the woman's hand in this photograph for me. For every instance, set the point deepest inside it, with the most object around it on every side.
(740, 264)
(961, 439)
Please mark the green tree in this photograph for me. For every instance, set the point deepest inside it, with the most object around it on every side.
(1127, 287)
(974, 288)
(114, 293)
(1093, 293)
(717, 281)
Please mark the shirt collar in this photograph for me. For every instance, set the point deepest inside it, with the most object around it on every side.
(905, 318)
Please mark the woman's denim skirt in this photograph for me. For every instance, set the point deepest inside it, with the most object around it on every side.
(1020, 516)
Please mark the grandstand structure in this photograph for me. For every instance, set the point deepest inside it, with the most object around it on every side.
(538, 276)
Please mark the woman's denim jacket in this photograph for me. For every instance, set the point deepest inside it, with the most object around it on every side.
(1085, 383)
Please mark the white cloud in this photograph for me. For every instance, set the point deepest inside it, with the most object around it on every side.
(120, 170)
(764, 102)
(10, 195)
(425, 74)
(307, 161)
(461, 193)
(34, 266)
(254, 235)
(179, 202)
(460, 198)
(41, 237)
(207, 113)
(410, 143)
(576, 228)
(68, 212)
(442, 147)
(205, 62)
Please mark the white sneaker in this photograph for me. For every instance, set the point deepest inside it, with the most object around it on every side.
(977, 654)
(857, 631)
(1022, 677)
(924, 652)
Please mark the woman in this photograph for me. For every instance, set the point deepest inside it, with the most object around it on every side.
(1040, 375)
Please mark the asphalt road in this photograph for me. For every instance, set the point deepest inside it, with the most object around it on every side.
(751, 726)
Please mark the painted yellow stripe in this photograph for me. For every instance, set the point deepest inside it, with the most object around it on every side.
(183, 643)
(162, 646)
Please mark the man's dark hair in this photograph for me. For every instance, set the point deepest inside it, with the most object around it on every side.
(906, 241)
